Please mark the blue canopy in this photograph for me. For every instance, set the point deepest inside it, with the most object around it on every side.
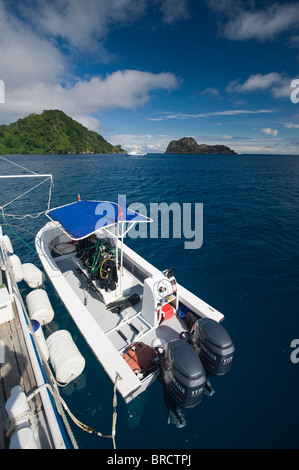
(83, 218)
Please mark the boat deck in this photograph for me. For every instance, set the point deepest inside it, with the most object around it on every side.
(14, 370)
(126, 327)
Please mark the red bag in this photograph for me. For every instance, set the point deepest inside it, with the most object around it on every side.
(140, 357)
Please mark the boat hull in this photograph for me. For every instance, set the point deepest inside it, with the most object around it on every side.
(108, 335)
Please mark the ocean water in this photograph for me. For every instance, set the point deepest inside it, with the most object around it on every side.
(247, 268)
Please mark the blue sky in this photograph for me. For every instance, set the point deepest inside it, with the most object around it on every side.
(145, 72)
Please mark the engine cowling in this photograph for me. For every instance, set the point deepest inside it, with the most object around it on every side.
(183, 373)
(213, 345)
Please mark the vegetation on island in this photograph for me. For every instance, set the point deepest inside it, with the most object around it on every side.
(52, 132)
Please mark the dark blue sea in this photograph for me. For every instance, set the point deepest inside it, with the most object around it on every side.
(247, 268)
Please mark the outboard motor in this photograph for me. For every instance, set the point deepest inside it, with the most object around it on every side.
(183, 373)
(213, 345)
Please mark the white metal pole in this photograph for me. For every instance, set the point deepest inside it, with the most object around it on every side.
(116, 258)
(121, 255)
(26, 176)
(1, 278)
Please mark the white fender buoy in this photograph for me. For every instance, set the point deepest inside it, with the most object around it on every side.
(16, 267)
(66, 359)
(18, 410)
(7, 243)
(23, 439)
(17, 403)
(38, 333)
(32, 275)
(39, 306)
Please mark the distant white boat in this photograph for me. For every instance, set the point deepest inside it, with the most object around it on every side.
(136, 153)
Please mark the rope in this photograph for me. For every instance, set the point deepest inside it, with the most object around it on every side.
(28, 191)
(114, 416)
(87, 428)
(26, 416)
(20, 166)
(23, 241)
(37, 214)
(31, 233)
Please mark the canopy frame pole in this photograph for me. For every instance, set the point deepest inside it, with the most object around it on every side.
(121, 256)
(116, 256)
(120, 236)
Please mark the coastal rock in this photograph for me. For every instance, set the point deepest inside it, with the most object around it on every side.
(187, 145)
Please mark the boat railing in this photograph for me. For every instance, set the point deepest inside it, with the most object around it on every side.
(38, 361)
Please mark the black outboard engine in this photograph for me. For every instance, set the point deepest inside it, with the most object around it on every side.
(213, 345)
(183, 373)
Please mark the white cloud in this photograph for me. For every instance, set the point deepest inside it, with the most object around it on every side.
(25, 56)
(174, 10)
(92, 123)
(210, 91)
(126, 89)
(268, 144)
(145, 142)
(269, 131)
(255, 82)
(254, 145)
(282, 89)
(263, 24)
(82, 24)
(278, 84)
(230, 112)
(290, 125)
(38, 73)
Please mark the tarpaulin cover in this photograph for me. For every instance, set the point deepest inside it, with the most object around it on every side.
(82, 218)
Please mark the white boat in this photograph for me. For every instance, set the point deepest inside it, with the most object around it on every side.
(138, 321)
(136, 153)
(35, 417)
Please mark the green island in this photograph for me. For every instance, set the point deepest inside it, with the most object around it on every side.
(52, 132)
